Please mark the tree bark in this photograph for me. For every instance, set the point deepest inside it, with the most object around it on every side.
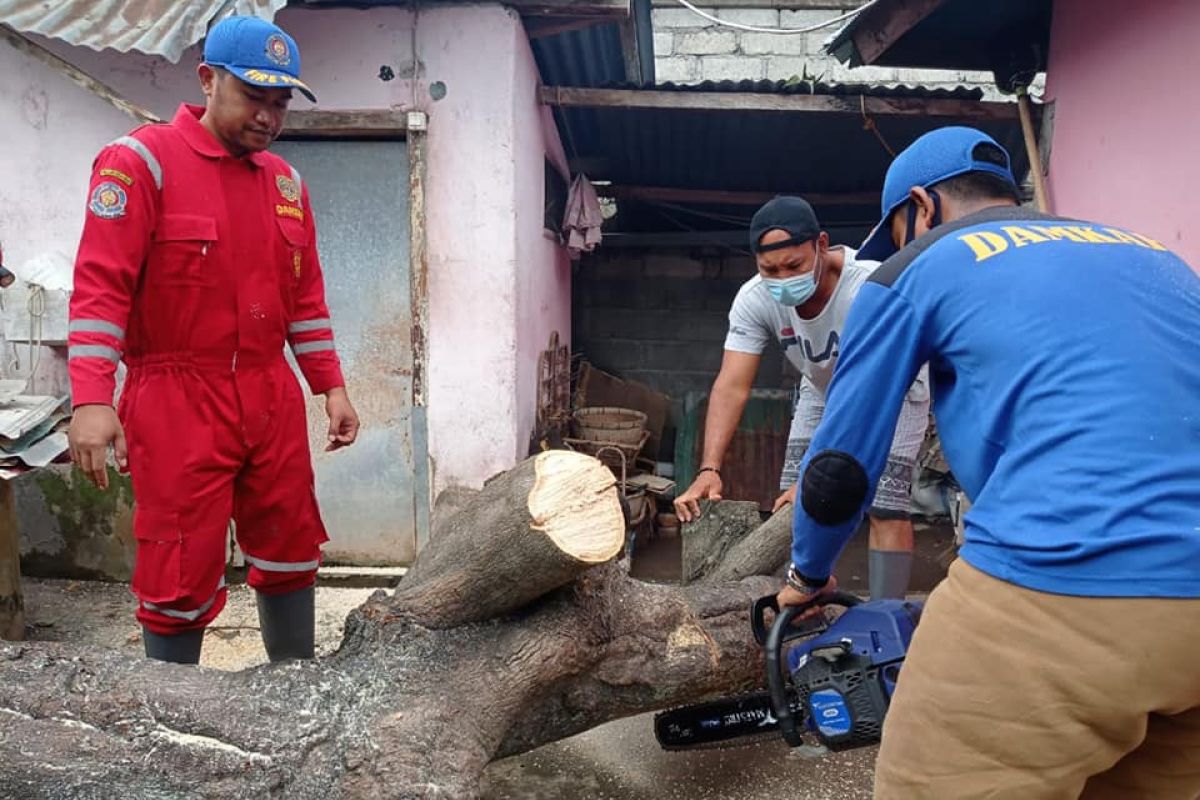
(706, 540)
(429, 685)
(761, 552)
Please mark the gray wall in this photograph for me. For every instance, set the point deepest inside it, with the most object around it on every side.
(659, 315)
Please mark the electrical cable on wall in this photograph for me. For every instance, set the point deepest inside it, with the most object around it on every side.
(780, 31)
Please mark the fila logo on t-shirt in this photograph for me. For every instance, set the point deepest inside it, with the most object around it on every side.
(788, 337)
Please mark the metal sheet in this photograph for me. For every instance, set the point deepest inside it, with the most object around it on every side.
(750, 470)
(754, 151)
(360, 199)
(157, 27)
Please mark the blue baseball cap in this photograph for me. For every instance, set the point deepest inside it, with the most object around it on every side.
(937, 156)
(257, 52)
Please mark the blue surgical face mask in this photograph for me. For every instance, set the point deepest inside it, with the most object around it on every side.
(792, 291)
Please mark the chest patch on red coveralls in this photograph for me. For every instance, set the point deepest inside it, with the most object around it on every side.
(287, 187)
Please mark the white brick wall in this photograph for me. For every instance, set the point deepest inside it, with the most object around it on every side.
(690, 49)
(731, 68)
(706, 43)
(762, 44)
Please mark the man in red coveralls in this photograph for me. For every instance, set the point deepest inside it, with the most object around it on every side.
(198, 261)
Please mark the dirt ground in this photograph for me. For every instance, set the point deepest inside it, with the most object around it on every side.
(618, 761)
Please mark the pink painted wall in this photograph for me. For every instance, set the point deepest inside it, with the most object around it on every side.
(1124, 145)
(543, 267)
(497, 287)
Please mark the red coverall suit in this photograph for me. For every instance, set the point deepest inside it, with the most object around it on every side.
(195, 267)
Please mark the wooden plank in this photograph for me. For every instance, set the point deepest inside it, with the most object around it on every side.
(787, 5)
(380, 123)
(610, 9)
(76, 75)
(883, 24)
(576, 97)
(541, 27)
(12, 604)
(731, 198)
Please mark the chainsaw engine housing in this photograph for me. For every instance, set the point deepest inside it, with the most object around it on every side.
(844, 678)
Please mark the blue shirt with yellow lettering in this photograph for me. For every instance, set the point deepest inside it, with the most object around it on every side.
(1066, 386)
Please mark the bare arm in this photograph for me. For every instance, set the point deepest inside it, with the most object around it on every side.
(726, 402)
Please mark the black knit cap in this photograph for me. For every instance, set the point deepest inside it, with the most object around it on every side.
(791, 214)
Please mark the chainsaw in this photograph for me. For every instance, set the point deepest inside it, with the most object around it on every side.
(834, 686)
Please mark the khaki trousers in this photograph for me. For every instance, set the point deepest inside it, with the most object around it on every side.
(1012, 693)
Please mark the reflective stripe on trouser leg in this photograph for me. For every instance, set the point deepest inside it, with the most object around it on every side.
(189, 615)
(283, 566)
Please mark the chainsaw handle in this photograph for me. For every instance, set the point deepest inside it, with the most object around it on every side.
(782, 631)
(758, 615)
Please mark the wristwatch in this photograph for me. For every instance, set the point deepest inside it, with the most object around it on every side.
(804, 584)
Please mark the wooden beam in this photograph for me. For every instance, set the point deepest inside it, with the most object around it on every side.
(541, 27)
(787, 5)
(731, 198)
(76, 75)
(574, 97)
(883, 24)
(610, 9)
(370, 123)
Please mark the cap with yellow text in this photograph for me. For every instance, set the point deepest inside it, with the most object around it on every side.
(257, 52)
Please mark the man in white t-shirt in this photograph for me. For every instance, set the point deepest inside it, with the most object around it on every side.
(800, 297)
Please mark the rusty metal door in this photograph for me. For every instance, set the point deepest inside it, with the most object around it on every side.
(360, 198)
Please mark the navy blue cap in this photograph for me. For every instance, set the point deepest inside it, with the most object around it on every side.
(257, 52)
(791, 214)
(937, 156)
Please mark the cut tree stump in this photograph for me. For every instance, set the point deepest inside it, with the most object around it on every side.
(706, 540)
(12, 603)
(513, 629)
(763, 551)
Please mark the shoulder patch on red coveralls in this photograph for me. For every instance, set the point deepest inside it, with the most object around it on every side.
(287, 187)
(108, 201)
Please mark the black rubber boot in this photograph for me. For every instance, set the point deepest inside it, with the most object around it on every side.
(179, 648)
(287, 622)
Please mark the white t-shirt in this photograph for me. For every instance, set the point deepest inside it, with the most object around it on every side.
(811, 345)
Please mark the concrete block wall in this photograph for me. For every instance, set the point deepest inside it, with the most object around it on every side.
(659, 316)
(691, 49)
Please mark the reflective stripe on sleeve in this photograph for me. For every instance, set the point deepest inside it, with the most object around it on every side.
(299, 191)
(312, 347)
(143, 151)
(96, 326)
(310, 325)
(93, 351)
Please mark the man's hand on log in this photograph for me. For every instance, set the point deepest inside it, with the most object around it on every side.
(788, 497)
(707, 486)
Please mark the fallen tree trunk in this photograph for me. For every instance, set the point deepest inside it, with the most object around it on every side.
(428, 686)
(761, 552)
(707, 539)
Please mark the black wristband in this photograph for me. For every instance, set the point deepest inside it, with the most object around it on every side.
(709, 469)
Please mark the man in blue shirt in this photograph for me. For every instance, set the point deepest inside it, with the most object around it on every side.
(1059, 657)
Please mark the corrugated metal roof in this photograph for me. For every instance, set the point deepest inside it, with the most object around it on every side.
(587, 57)
(157, 27)
(814, 153)
(595, 56)
(956, 34)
